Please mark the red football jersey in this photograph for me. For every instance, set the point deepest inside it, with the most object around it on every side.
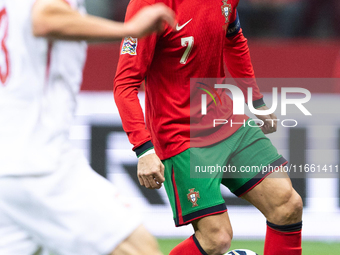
(207, 34)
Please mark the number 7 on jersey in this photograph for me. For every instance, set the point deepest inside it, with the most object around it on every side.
(189, 43)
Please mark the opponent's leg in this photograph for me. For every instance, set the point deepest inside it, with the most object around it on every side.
(139, 242)
(71, 211)
(282, 206)
(213, 236)
(13, 238)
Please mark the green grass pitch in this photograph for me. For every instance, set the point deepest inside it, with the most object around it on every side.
(308, 247)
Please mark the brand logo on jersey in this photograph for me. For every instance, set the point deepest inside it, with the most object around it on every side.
(129, 46)
(178, 27)
(193, 196)
(226, 10)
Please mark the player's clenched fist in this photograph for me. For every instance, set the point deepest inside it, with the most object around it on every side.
(150, 19)
(150, 171)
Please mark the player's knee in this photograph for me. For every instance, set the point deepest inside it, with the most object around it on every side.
(295, 207)
(153, 248)
(139, 242)
(148, 244)
(289, 208)
(218, 240)
(224, 241)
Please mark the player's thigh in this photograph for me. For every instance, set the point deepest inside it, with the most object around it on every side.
(193, 195)
(73, 210)
(140, 241)
(276, 198)
(269, 193)
(254, 157)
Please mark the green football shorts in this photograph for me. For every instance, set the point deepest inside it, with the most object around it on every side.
(240, 162)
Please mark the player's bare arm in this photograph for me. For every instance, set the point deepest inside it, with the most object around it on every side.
(57, 20)
(270, 121)
(150, 171)
(150, 19)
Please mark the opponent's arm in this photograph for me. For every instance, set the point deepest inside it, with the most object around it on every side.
(135, 59)
(238, 61)
(57, 20)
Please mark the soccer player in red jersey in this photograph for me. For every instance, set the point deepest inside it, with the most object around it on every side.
(51, 200)
(208, 34)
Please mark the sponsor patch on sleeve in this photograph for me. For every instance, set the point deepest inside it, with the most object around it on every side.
(129, 46)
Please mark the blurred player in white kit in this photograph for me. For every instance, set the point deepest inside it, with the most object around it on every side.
(50, 198)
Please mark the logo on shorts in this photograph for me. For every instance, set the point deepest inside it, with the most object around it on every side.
(193, 196)
(129, 46)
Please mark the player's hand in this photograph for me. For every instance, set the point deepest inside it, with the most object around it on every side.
(150, 19)
(150, 171)
(270, 121)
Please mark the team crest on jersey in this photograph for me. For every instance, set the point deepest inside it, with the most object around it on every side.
(193, 196)
(226, 10)
(129, 46)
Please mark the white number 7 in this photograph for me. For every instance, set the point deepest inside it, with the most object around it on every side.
(186, 42)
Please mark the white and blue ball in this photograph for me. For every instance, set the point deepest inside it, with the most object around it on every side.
(241, 252)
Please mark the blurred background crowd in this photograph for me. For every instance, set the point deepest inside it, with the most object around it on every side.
(262, 18)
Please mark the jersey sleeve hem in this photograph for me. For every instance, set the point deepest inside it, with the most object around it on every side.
(259, 103)
(144, 148)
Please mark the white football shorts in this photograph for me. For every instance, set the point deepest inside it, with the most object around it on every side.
(71, 211)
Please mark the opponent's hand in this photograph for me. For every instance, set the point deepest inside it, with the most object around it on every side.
(150, 19)
(150, 171)
(270, 122)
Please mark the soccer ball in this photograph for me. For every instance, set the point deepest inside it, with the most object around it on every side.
(241, 252)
